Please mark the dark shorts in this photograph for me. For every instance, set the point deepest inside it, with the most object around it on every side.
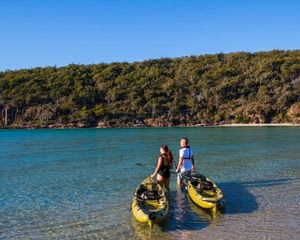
(164, 172)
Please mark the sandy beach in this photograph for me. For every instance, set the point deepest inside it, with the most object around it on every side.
(260, 125)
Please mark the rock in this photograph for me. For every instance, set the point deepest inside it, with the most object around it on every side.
(102, 124)
(294, 111)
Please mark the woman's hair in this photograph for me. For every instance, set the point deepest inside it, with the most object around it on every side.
(168, 152)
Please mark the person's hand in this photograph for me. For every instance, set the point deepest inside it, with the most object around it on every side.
(193, 169)
(152, 175)
(177, 170)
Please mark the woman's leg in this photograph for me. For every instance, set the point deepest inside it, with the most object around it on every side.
(160, 179)
(167, 183)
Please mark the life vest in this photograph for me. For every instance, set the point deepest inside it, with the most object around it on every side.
(186, 160)
(189, 157)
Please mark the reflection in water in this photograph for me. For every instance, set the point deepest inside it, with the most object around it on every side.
(67, 184)
(142, 231)
(184, 217)
(179, 207)
(205, 215)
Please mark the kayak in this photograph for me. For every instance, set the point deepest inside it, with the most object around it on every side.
(204, 192)
(150, 203)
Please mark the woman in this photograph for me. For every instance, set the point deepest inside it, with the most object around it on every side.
(164, 163)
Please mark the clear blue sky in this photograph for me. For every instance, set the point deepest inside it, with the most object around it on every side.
(59, 32)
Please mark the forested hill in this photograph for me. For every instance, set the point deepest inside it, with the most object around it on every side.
(260, 87)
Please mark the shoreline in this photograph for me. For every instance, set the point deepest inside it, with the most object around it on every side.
(229, 125)
(260, 125)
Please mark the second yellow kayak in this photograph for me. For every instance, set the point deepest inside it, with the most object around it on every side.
(204, 192)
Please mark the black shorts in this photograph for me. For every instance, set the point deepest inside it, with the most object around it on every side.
(165, 172)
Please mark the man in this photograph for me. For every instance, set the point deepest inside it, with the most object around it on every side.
(186, 160)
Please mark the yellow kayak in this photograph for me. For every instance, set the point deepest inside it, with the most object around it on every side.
(204, 192)
(150, 203)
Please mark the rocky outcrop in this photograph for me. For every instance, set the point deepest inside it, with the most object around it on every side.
(294, 113)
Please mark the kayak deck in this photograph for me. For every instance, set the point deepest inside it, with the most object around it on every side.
(150, 204)
(204, 192)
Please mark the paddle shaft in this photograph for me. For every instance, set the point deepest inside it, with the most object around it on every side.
(149, 166)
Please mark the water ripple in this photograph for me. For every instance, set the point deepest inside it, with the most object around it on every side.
(78, 184)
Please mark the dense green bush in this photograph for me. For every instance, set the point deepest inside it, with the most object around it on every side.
(220, 88)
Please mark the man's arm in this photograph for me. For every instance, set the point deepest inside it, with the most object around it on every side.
(179, 164)
(193, 164)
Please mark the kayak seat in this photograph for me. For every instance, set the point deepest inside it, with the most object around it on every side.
(145, 194)
(195, 183)
(150, 195)
(198, 177)
(203, 185)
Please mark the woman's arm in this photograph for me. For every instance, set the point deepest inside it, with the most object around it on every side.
(159, 163)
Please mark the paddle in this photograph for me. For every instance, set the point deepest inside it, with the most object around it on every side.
(173, 172)
(149, 166)
(187, 178)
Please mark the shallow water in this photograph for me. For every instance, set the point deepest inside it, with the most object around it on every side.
(78, 183)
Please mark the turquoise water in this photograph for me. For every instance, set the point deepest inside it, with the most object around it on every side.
(78, 183)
